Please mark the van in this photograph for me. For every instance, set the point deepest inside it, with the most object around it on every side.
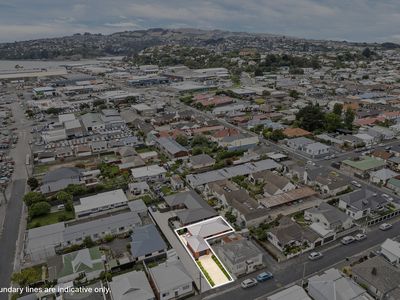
(61, 207)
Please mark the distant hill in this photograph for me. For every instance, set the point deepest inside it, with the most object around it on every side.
(128, 43)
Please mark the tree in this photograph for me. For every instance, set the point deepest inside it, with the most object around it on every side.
(310, 117)
(75, 189)
(277, 135)
(63, 196)
(332, 122)
(349, 118)
(25, 277)
(33, 197)
(53, 111)
(182, 140)
(199, 140)
(294, 94)
(69, 206)
(88, 242)
(367, 53)
(33, 183)
(338, 109)
(39, 209)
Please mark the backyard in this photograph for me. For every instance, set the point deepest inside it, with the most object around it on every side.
(51, 218)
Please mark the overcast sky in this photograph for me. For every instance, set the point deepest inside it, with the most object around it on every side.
(354, 20)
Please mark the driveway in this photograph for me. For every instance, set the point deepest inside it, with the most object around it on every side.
(213, 270)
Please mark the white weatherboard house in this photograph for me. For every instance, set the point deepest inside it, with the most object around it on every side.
(149, 173)
(100, 202)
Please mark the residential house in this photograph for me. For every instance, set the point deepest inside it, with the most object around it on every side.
(366, 139)
(362, 166)
(378, 276)
(390, 249)
(177, 182)
(239, 142)
(382, 176)
(290, 238)
(361, 203)
(191, 207)
(147, 243)
(332, 285)
(381, 133)
(132, 285)
(59, 179)
(329, 217)
(329, 183)
(152, 173)
(100, 203)
(394, 185)
(296, 132)
(294, 292)
(170, 280)
(239, 255)
(247, 210)
(171, 148)
(309, 147)
(201, 162)
(139, 188)
(273, 184)
(88, 262)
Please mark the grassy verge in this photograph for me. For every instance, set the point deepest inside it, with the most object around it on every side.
(210, 281)
(219, 264)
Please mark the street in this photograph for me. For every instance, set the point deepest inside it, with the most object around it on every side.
(13, 214)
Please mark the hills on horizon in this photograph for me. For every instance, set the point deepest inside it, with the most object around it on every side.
(128, 43)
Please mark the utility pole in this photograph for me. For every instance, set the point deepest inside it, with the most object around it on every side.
(304, 274)
(200, 284)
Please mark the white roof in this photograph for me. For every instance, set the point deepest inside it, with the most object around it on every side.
(100, 200)
(153, 170)
(391, 246)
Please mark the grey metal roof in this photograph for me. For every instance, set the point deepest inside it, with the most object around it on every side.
(61, 173)
(146, 240)
(171, 145)
(239, 251)
(132, 285)
(98, 226)
(331, 213)
(226, 173)
(170, 275)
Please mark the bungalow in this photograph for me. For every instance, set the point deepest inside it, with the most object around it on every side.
(239, 255)
(132, 285)
(86, 262)
(382, 176)
(201, 161)
(329, 217)
(291, 238)
(296, 132)
(151, 173)
(273, 184)
(147, 243)
(239, 142)
(366, 139)
(380, 278)
(394, 163)
(328, 182)
(170, 280)
(394, 185)
(390, 249)
(59, 179)
(381, 133)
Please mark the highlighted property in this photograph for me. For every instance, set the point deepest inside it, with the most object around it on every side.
(195, 239)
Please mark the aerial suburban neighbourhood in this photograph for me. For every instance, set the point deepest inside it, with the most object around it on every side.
(199, 164)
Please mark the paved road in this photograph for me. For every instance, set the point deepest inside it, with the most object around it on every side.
(9, 237)
(11, 228)
(292, 270)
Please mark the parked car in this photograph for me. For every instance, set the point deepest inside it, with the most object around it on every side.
(385, 226)
(355, 183)
(247, 283)
(387, 197)
(315, 255)
(264, 276)
(360, 236)
(347, 240)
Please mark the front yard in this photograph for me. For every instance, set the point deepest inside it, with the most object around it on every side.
(51, 218)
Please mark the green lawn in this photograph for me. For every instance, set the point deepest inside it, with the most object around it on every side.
(40, 169)
(51, 218)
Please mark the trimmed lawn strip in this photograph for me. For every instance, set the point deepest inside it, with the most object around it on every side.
(216, 260)
(210, 281)
(51, 218)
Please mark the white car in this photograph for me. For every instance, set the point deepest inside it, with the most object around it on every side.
(360, 236)
(315, 255)
(385, 226)
(347, 240)
(387, 197)
(247, 283)
(355, 183)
